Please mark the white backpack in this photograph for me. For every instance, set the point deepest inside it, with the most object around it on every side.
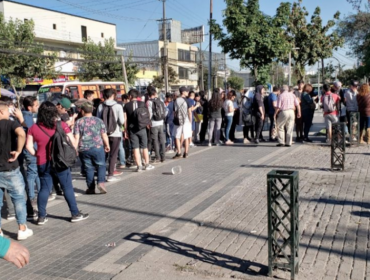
(328, 103)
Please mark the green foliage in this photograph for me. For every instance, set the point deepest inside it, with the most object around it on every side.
(158, 81)
(252, 37)
(347, 75)
(313, 40)
(102, 63)
(330, 70)
(235, 82)
(24, 58)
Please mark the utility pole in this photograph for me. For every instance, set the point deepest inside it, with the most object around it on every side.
(201, 66)
(225, 69)
(210, 52)
(215, 74)
(290, 69)
(165, 53)
(124, 72)
(318, 78)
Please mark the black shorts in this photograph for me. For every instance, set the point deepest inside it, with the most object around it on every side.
(139, 139)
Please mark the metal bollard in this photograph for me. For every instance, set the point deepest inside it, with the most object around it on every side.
(283, 220)
(338, 146)
(354, 127)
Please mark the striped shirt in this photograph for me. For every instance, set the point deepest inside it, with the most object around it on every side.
(287, 101)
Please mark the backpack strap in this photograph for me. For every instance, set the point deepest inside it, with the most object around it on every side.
(47, 134)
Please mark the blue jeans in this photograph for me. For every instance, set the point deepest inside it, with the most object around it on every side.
(13, 182)
(121, 153)
(95, 157)
(229, 121)
(32, 175)
(65, 179)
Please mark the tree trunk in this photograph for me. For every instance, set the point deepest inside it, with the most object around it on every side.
(255, 69)
(322, 70)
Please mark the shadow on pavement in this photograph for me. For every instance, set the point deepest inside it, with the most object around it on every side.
(199, 254)
(364, 214)
(338, 202)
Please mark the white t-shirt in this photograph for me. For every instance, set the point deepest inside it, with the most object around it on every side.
(227, 104)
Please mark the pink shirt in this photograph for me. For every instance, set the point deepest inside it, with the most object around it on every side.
(336, 99)
(287, 101)
(43, 141)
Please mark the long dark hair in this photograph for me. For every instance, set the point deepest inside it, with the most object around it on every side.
(216, 102)
(47, 114)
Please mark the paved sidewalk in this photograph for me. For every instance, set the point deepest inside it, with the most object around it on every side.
(209, 222)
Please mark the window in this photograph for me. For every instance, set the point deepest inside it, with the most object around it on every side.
(183, 73)
(54, 26)
(84, 33)
(184, 55)
(102, 35)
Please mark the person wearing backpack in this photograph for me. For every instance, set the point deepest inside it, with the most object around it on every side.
(157, 113)
(182, 123)
(137, 120)
(330, 102)
(51, 158)
(112, 115)
(272, 102)
(91, 135)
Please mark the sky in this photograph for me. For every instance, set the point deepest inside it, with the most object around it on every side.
(136, 19)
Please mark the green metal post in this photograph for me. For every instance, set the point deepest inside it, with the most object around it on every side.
(354, 128)
(338, 146)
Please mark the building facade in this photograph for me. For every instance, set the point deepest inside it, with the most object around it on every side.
(61, 33)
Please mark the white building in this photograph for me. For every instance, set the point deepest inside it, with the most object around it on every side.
(58, 31)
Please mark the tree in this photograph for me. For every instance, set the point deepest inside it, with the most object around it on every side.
(330, 71)
(235, 82)
(103, 63)
(356, 3)
(158, 81)
(346, 76)
(22, 57)
(310, 42)
(253, 37)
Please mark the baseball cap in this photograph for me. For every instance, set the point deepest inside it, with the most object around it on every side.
(354, 83)
(182, 89)
(65, 103)
(337, 84)
(80, 102)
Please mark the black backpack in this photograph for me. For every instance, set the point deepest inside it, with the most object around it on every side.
(142, 117)
(63, 154)
(109, 118)
(159, 112)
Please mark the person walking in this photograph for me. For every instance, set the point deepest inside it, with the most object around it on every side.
(157, 113)
(182, 123)
(229, 114)
(258, 108)
(351, 103)
(137, 120)
(112, 115)
(12, 139)
(41, 134)
(215, 117)
(272, 101)
(92, 142)
(204, 127)
(308, 106)
(330, 102)
(247, 116)
(284, 114)
(298, 121)
(363, 102)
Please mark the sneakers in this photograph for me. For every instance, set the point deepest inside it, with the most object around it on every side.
(112, 179)
(52, 197)
(228, 142)
(90, 191)
(149, 167)
(209, 144)
(117, 173)
(307, 140)
(177, 156)
(10, 217)
(121, 166)
(32, 217)
(246, 141)
(139, 169)
(80, 217)
(42, 221)
(24, 234)
(102, 188)
(155, 161)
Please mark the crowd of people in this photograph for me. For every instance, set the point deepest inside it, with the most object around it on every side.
(138, 131)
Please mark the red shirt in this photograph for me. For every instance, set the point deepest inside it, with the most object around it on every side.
(336, 99)
(43, 141)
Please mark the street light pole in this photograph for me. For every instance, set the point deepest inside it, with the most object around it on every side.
(165, 53)
(210, 53)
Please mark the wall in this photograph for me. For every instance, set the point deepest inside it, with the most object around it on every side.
(68, 27)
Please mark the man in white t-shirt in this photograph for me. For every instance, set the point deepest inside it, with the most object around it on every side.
(182, 123)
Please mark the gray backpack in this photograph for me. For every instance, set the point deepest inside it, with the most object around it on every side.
(328, 103)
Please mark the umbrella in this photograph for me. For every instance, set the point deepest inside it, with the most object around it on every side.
(5, 92)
